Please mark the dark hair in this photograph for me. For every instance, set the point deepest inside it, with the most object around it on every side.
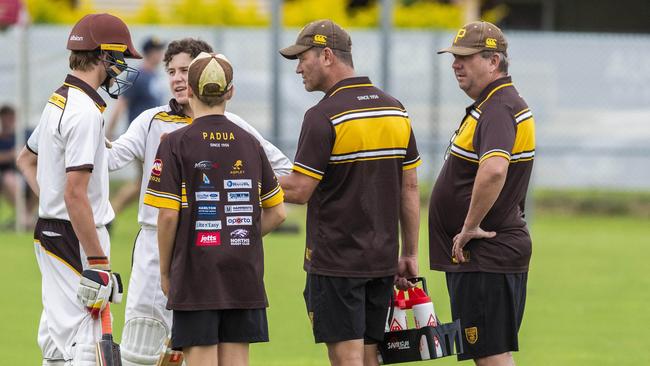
(84, 60)
(7, 110)
(190, 46)
(503, 59)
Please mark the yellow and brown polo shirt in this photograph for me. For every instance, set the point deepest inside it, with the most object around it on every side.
(498, 124)
(356, 141)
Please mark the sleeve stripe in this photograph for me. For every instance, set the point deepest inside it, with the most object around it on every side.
(491, 153)
(307, 172)
(160, 202)
(161, 192)
(80, 167)
(165, 195)
(309, 168)
(274, 200)
(412, 165)
(268, 195)
(411, 161)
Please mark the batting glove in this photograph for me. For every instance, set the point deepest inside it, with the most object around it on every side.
(98, 286)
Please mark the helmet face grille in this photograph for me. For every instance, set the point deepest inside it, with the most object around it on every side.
(120, 76)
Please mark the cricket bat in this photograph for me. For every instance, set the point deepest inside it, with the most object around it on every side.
(107, 352)
(170, 357)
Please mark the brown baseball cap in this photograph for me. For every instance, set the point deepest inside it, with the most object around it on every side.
(320, 33)
(210, 75)
(102, 31)
(476, 37)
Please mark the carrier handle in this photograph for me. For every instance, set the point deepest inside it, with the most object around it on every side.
(415, 280)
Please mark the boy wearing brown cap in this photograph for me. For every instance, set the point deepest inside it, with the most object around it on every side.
(217, 196)
(67, 155)
(355, 167)
(477, 230)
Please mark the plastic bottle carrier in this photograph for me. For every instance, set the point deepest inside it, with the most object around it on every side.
(428, 340)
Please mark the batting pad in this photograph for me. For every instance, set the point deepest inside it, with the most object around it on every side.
(143, 341)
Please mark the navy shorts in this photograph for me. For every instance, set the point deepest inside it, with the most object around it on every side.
(209, 327)
(490, 307)
(343, 309)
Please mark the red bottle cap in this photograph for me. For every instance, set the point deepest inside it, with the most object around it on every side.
(417, 296)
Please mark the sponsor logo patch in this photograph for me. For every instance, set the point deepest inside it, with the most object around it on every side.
(207, 196)
(237, 168)
(208, 225)
(237, 183)
(156, 169)
(239, 220)
(206, 180)
(239, 197)
(207, 211)
(471, 334)
(238, 208)
(208, 238)
(206, 165)
(239, 237)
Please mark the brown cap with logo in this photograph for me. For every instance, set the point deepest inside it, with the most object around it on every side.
(210, 75)
(320, 33)
(476, 37)
(102, 31)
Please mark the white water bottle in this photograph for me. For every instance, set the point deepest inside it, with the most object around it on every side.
(398, 321)
(424, 315)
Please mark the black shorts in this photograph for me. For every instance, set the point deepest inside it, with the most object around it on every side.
(490, 307)
(343, 309)
(209, 327)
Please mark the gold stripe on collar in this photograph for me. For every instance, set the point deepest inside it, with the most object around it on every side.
(349, 86)
(492, 92)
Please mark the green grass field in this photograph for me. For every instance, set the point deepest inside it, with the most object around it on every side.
(588, 294)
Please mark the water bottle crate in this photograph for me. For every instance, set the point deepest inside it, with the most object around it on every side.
(404, 345)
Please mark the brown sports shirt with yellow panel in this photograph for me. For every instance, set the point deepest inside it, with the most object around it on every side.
(499, 124)
(218, 176)
(357, 141)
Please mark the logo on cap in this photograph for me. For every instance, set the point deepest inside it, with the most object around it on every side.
(76, 38)
(490, 43)
(320, 39)
(460, 34)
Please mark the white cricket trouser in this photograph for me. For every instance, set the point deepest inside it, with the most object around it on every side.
(65, 326)
(145, 298)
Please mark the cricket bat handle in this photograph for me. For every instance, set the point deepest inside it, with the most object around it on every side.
(107, 328)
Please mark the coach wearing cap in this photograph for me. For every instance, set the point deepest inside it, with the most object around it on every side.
(477, 229)
(355, 168)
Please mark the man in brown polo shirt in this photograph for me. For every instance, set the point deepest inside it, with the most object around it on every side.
(355, 167)
(217, 196)
(477, 231)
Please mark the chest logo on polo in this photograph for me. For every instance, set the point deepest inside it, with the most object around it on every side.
(471, 334)
(218, 136)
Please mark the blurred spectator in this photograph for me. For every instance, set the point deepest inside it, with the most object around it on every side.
(8, 174)
(145, 93)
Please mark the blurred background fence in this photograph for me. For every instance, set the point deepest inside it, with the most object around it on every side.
(590, 93)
